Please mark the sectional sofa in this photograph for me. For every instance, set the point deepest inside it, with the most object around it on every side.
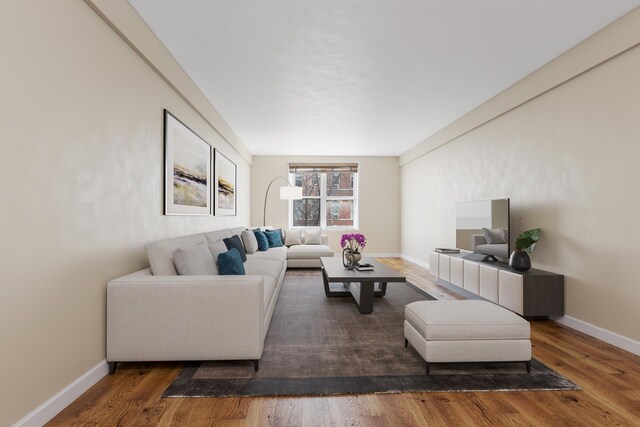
(157, 315)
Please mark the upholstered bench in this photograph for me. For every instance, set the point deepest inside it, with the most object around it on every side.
(466, 331)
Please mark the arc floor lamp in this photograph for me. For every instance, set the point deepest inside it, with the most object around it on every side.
(290, 192)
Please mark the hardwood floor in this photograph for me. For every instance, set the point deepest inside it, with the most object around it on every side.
(609, 377)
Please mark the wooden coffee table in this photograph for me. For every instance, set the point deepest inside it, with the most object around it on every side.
(361, 286)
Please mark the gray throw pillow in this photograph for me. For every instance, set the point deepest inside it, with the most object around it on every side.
(312, 236)
(495, 235)
(194, 260)
(217, 248)
(293, 236)
(250, 241)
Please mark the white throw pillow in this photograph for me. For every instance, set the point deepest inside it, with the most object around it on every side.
(312, 236)
(250, 242)
(292, 236)
(194, 261)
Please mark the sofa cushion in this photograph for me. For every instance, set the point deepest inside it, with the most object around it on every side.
(217, 248)
(308, 251)
(236, 230)
(160, 253)
(274, 238)
(263, 243)
(263, 267)
(214, 236)
(230, 263)
(250, 242)
(312, 236)
(293, 236)
(465, 320)
(235, 242)
(279, 254)
(195, 260)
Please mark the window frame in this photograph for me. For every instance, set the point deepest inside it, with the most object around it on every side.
(323, 203)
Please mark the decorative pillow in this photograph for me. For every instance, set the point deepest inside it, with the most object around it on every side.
(312, 236)
(281, 231)
(495, 235)
(263, 243)
(293, 237)
(235, 242)
(274, 238)
(250, 241)
(230, 263)
(194, 260)
(217, 248)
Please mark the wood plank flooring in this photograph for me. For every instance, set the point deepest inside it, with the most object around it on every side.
(610, 379)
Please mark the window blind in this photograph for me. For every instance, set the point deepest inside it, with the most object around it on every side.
(323, 167)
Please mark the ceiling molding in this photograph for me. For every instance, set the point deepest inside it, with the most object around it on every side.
(126, 22)
(617, 38)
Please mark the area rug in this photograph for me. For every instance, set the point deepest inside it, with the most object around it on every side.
(318, 346)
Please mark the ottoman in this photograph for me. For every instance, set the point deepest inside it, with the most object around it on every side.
(466, 331)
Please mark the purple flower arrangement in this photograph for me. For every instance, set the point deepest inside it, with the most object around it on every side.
(353, 241)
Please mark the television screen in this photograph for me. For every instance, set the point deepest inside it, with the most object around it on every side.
(471, 220)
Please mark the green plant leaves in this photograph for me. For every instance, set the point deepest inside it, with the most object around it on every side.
(526, 240)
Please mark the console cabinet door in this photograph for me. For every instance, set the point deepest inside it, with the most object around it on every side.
(445, 266)
(457, 273)
(471, 278)
(510, 291)
(434, 263)
(489, 283)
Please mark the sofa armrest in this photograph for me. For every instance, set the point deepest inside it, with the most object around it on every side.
(154, 318)
(477, 240)
(325, 239)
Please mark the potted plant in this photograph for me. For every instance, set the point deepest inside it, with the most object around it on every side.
(351, 245)
(525, 242)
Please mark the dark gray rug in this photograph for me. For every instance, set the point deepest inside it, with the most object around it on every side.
(322, 346)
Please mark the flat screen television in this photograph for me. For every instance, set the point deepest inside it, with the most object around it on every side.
(471, 220)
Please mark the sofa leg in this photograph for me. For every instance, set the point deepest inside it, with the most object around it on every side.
(428, 367)
(256, 364)
(406, 343)
(112, 367)
(528, 366)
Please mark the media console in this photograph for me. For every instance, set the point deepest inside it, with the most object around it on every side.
(533, 293)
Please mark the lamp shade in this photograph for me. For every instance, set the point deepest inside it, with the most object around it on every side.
(290, 193)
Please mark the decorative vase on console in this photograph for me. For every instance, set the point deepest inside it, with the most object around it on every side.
(525, 242)
(352, 244)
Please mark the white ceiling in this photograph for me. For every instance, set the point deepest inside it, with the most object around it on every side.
(362, 77)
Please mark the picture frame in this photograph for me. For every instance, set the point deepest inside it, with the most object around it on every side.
(187, 170)
(225, 185)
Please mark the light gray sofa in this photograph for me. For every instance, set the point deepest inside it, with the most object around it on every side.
(156, 315)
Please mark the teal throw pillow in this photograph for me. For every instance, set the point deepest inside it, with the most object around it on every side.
(230, 263)
(274, 238)
(263, 243)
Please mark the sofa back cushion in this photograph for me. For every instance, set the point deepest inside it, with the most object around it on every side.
(312, 236)
(230, 263)
(194, 260)
(263, 243)
(217, 248)
(214, 236)
(235, 242)
(274, 238)
(160, 253)
(250, 242)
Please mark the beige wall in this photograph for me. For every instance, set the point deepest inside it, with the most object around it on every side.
(569, 162)
(379, 198)
(81, 175)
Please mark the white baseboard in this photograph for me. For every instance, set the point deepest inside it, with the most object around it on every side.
(49, 409)
(602, 334)
(421, 263)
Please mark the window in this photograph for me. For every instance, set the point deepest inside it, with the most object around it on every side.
(329, 195)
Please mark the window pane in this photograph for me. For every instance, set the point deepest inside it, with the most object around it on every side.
(340, 184)
(306, 213)
(310, 183)
(339, 213)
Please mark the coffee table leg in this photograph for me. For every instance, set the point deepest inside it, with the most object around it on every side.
(382, 290)
(344, 292)
(365, 299)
